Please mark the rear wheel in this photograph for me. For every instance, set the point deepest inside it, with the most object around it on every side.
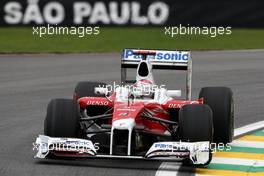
(86, 89)
(220, 99)
(196, 124)
(62, 119)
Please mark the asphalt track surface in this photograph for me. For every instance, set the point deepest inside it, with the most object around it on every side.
(28, 82)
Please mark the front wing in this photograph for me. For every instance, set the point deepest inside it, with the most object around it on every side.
(196, 152)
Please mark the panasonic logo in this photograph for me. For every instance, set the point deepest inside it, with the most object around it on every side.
(160, 55)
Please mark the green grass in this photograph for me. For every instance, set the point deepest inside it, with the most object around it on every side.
(21, 40)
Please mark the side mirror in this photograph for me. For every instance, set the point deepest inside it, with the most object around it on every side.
(101, 91)
(174, 93)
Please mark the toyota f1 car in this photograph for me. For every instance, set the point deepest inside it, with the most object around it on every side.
(139, 119)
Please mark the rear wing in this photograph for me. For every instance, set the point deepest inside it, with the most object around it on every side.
(160, 59)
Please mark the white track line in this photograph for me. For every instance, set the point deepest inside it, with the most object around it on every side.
(251, 144)
(238, 161)
(168, 168)
(248, 128)
(165, 166)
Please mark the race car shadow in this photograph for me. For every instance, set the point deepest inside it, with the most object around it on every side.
(132, 164)
(104, 163)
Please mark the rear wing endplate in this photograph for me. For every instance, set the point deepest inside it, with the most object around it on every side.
(160, 59)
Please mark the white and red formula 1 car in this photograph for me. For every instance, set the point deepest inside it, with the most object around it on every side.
(139, 119)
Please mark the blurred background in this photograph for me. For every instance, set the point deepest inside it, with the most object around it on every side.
(126, 23)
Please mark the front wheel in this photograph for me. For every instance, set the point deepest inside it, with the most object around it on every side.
(86, 89)
(196, 125)
(62, 119)
(220, 100)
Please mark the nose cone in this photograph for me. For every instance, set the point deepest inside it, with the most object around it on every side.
(124, 124)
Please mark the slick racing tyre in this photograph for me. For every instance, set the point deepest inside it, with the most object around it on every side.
(62, 119)
(220, 99)
(86, 89)
(196, 125)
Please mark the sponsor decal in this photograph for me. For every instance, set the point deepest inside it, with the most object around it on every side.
(179, 105)
(136, 13)
(175, 105)
(170, 154)
(179, 56)
(99, 103)
(83, 12)
(163, 146)
(125, 109)
(78, 143)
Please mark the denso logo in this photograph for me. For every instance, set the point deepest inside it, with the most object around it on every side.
(160, 55)
(99, 103)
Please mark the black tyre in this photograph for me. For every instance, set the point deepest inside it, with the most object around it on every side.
(196, 124)
(86, 89)
(220, 99)
(62, 119)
